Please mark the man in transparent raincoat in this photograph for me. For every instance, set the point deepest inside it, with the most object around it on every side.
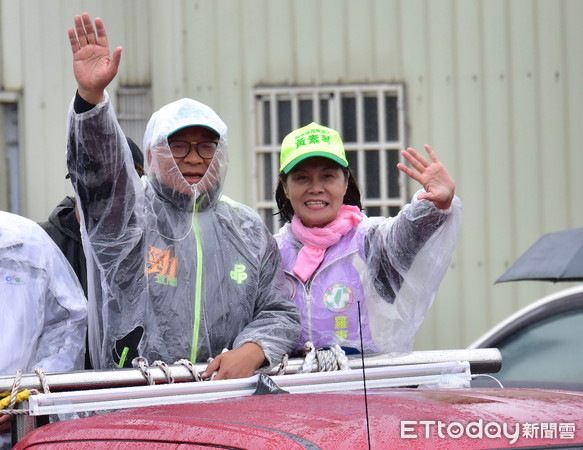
(176, 270)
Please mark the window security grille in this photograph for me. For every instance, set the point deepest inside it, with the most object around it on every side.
(134, 108)
(10, 154)
(371, 121)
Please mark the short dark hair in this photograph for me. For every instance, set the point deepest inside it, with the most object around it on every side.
(285, 209)
(137, 155)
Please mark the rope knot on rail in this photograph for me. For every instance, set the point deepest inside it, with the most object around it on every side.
(324, 359)
(191, 368)
(142, 364)
(9, 400)
(167, 373)
(283, 365)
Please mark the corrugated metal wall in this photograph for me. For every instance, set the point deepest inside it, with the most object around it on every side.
(495, 86)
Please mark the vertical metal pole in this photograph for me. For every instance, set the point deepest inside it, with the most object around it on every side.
(22, 424)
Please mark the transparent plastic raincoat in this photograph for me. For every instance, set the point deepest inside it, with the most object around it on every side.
(175, 270)
(44, 311)
(390, 267)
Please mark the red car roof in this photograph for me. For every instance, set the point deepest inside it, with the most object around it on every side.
(398, 418)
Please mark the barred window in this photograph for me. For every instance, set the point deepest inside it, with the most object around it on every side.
(134, 108)
(10, 157)
(371, 122)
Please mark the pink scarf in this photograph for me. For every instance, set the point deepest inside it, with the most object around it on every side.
(317, 240)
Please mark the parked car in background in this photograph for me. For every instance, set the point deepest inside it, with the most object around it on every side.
(540, 344)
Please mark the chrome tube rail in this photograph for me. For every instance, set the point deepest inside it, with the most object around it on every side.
(482, 361)
(451, 374)
(479, 361)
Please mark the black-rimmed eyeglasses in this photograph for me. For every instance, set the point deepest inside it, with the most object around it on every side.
(206, 150)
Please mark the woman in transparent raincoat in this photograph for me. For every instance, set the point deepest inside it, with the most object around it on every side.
(176, 270)
(337, 260)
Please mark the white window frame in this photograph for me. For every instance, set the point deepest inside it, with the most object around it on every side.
(268, 97)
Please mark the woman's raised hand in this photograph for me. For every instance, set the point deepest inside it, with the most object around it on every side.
(438, 184)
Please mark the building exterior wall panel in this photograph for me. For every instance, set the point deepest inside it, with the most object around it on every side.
(495, 86)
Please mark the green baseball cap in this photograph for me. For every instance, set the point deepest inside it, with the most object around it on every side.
(311, 140)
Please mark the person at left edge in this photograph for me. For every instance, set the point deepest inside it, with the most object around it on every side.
(169, 254)
(43, 309)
